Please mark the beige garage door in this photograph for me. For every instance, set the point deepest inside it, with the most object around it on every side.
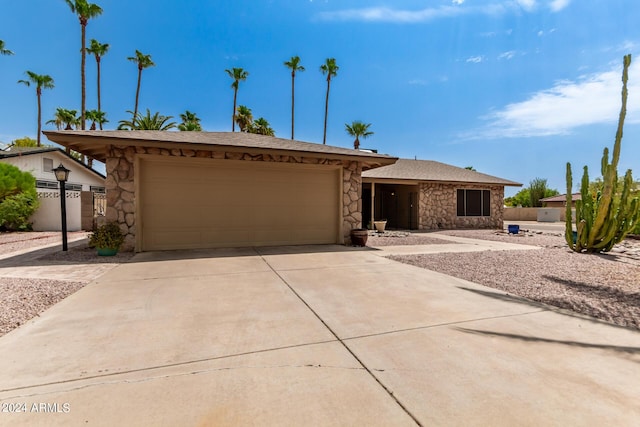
(187, 203)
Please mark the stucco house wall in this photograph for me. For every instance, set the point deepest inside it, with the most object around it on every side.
(121, 183)
(47, 217)
(438, 207)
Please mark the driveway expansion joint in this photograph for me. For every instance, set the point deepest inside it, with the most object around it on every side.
(439, 325)
(167, 365)
(346, 347)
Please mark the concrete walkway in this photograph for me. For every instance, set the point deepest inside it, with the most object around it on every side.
(29, 264)
(457, 245)
(318, 335)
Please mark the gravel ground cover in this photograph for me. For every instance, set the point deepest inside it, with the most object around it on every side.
(17, 241)
(21, 299)
(399, 238)
(24, 299)
(603, 286)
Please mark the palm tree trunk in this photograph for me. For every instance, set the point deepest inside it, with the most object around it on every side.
(38, 94)
(135, 109)
(83, 105)
(293, 89)
(326, 111)
(99, 104)
(233, 117)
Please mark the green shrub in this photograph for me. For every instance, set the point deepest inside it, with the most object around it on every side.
(108, 236)
(18, 198)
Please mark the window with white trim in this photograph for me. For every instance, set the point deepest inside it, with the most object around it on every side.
(52, 185)
(474, 202)
(47, 164)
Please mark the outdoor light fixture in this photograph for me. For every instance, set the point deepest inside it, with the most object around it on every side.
(62, 174)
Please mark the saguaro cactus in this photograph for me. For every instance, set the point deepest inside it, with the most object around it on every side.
(605, 218)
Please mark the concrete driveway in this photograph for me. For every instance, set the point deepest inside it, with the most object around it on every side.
(319, 335)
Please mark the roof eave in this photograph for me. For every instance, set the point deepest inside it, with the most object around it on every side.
(97, 146)
(410, 181)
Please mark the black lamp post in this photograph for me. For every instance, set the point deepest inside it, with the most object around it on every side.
(62, 174)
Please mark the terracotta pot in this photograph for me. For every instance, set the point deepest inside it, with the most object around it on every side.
(359, 236)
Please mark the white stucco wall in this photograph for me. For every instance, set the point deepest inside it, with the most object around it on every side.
(47, 218)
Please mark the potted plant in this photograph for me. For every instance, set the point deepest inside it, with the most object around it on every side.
(380, 225)
(107, 239)
(359, 236)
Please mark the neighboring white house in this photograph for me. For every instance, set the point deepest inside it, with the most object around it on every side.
(41, 162)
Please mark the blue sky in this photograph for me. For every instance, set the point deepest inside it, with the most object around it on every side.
(515, 88)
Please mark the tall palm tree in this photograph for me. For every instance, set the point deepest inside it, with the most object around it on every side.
(3, 50)
(143, 61)
(238, 75)
(190, 122)
(294, 65)
(330, 69)
(244, 117)
(41, 81)
(147, 122)
(98, 50)
(85, 11)
(358, 129)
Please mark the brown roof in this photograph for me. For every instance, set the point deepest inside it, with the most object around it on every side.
(429, 170)
(96, 143)
(562, 198)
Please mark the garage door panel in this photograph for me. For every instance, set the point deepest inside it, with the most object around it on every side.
(235, 203)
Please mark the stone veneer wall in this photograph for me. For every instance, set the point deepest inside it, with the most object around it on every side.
(438, 207)
(120, 183)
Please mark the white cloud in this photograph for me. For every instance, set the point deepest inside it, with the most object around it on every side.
(591, 99)
(527, 5)
(384, 14)
(475, 59)
(558, 5)
(507, 55)
(417, 82)
(459, 7)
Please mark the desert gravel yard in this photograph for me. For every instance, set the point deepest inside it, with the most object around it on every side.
(602, 286)
(22, 298)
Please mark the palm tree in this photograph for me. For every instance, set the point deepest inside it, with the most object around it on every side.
(190, 122)
(143, 61)
(238, 75)
(147, 122)
(262, 127)
(244, 117)
(96, 116)
(331, 70)
(358, 129)
(64, 119)
(98, 50)
(3, 50)
(42, 81)
(294, 65)
(85, 11)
